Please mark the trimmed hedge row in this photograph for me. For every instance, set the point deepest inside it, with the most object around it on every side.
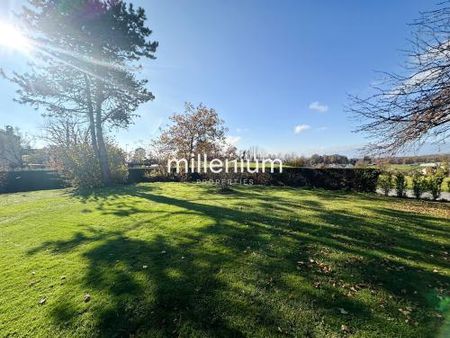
(30, 180)
(355, 179)
(364, 180)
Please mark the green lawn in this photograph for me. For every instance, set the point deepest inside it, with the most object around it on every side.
(405, 167)
(181, 260)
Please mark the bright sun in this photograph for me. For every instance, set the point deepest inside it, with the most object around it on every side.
(12, 38)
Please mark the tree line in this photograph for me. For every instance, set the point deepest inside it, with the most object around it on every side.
(85, 80)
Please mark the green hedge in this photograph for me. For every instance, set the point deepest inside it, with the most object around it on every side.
(355, 179)
(364, 180)
(29, 180)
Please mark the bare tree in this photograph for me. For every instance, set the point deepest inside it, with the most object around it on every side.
(139, 155)
(254, 152)
(408, 110)
(66, 131)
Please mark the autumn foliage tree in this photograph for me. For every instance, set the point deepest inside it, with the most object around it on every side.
(198, 130)
(87, 64)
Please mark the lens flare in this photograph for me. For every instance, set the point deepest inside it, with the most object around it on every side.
(12, 38)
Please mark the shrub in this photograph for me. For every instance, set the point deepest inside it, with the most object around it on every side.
(363, 180)
(159, 171)
(259, 178)
(224, 183)
(434, 184)
(419, 184)
(136, 175)
(400, 184)
(385, 182)
(80, 166)
(117, 164)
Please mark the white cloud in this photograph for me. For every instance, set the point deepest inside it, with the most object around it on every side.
(322, 128)
(233, 140)
(301, 128)
(318, 107)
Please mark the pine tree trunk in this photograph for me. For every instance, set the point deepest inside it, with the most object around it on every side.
(102, 151)
(91, 117)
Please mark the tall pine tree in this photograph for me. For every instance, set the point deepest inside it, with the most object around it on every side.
(87, 61)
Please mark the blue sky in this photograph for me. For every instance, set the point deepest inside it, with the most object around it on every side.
(278, 72)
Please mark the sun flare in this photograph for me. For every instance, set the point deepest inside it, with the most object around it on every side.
(13, 39)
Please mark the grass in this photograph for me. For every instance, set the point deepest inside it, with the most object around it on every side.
(405, 167)
(175, 259)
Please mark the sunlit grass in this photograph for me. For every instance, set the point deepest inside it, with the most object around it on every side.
(181, 260)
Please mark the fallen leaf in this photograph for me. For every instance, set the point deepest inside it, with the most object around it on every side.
(405, 311)
(345, 328)
(341, 310)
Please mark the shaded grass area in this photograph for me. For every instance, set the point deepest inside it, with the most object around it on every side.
(173, 259)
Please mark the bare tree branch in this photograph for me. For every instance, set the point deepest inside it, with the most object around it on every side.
(409, 109)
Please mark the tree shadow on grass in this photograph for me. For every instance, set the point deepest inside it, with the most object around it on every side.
(231, 277)
(155, 287)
